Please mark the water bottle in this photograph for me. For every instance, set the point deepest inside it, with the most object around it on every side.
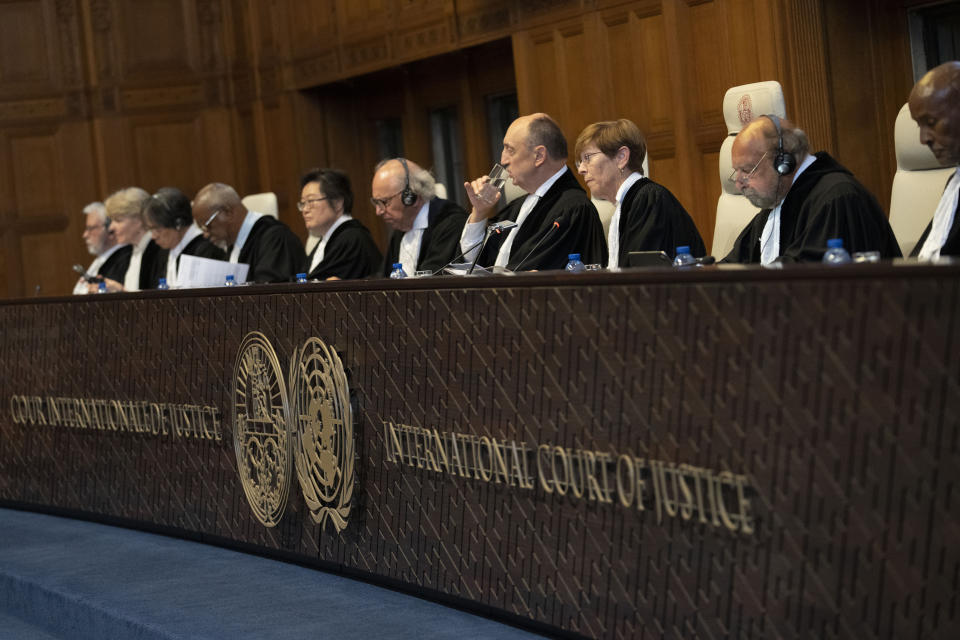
(684, 259)
(835, 253)
(230, 282)
(162, 285)
(398, 271)
(102, 287)
(301, 278)
(574, 265)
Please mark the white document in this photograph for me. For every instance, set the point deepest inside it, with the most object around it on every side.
(197, 272)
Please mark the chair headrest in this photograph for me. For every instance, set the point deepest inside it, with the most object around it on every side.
(726, 167)
(911, 155)
(748, 101)
(262, 203)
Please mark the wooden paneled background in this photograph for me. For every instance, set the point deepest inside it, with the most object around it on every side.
(100, 94)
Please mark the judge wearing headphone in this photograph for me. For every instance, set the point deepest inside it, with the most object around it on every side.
(426, 229)
(805, 199)
(169, 219)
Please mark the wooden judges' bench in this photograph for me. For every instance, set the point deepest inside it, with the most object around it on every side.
(712, 453)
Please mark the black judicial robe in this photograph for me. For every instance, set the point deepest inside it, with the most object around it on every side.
(652, 219)
(115, 267)
(825, 202)
(350, 254)
(952, 245)
(199, 247)
(152, 257)
(542, 246)
(441, 239)
(274, 253)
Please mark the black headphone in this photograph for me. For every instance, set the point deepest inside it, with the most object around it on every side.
(407, 196)
(784, 162)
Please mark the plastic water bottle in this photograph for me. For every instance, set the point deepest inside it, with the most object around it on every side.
(230, 282)
(684, 259)
(574, 265)
(398, 271)
(835, 253)
(102, 287)
(301, 278)
(162, 284)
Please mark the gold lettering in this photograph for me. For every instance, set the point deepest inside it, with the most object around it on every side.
(499, 463)
(725, 477)
(544, 481)
(639, 465)
(486, 472)
(53, 411)
(625, 493)
(561, 488)
(655, 474)
(456, 463)
(443, 462)
(593, 487)
(746, 522)
(686, 507)
(16, 410)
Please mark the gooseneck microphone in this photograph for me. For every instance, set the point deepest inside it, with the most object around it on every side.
(83, 273)
(496, 227)
(459, 255)
(556, 225)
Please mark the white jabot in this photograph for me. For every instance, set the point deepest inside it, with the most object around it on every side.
(81, 286)
(412, 239)
(942, 220)
(613, 235)
(131, 281)
(322, 245)
(248, 222)
(192, 232)
(770, 238)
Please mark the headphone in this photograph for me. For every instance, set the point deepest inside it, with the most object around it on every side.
(784, 162)
(407, 196)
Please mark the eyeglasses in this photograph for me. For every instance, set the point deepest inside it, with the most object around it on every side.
(303, 205)
(383, 202)
(94, 227)
(586, 158)
(746, 176)
(206, 225)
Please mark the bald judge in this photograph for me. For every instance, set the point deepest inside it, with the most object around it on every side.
(273, 251)
(553, 221)
(935, 105)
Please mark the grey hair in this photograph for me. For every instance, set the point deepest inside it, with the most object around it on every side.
(422, 181)
(96, 209)
(126, 203)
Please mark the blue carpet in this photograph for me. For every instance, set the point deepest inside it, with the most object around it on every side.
(63, 578)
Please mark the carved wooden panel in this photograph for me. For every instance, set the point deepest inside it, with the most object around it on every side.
(156, 37)
(27, 46)
(168, 151)
(37, 171)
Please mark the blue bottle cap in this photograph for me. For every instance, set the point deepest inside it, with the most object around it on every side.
(301, 276)
(835, 243)
(398, 265)
(683, 249)
(573, 256)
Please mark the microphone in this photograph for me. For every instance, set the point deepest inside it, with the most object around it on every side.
(556, 225)
(83, 273)
(459, 255)
(705, 260)
(496, 227)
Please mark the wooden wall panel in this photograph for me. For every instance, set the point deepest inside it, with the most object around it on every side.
(25, 27)
(168, 149)
(157, 37)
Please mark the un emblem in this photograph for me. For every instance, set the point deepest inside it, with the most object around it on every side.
(323, 439)
(261, 434)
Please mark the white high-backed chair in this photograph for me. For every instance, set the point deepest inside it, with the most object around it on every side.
(740, 105)
(917, 184)
(262, 203)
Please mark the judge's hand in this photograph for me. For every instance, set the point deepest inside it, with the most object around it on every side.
(483, 197)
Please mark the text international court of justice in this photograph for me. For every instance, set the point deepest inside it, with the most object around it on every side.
(480, 319)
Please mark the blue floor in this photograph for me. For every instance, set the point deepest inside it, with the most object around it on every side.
(63, 578)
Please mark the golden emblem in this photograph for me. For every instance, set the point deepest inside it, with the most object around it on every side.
(261, 433)
(323, 442)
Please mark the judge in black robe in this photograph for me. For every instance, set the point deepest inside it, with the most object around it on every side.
(440, 242)
(647, 217)
(562, 222)
(273, 252)
(951, 247)
(350, 253)
(116, 265)
(170, 218)
(824, 202)
(652, 219)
